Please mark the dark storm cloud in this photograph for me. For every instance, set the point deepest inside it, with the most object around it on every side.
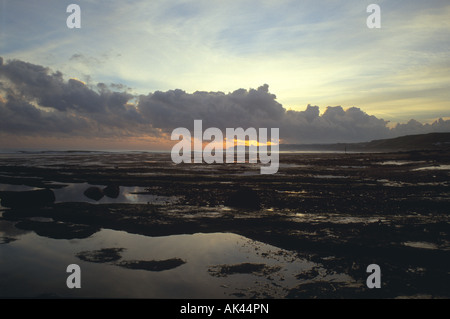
(334, 125)
(415, 127)
(35, 82)
(20, 117)
(258, 108)
(241, 108)
(35, 100)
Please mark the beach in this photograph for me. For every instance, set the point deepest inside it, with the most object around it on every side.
(140, 226)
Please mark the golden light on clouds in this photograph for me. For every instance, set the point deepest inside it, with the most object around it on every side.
(78, 80)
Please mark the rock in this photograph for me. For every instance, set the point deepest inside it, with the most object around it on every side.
(27, 199)
(244, 198)
(112, 191)
(94, 193)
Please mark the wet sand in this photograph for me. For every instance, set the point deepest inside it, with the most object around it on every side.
(314, 226)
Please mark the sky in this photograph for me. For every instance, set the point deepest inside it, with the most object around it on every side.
(136, 70)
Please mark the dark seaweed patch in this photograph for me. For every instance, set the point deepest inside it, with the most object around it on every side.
(104, 255)
(243, 268)
(152, 265)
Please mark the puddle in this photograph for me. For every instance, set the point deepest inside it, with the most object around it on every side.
(116, 264)
(399, 162)
(389, 183)
(74, 192)
(292, 192)
(131, 195)
(433, 168)
(337, 219)
(420, 244)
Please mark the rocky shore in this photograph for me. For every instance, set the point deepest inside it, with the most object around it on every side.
(340, 211)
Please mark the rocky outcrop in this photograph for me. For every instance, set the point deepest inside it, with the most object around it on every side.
(94, 193)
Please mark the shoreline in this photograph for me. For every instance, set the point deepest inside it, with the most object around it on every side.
(341, 212)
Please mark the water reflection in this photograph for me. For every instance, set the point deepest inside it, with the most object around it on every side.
(75, 192)
(177, 266)
(433, 168)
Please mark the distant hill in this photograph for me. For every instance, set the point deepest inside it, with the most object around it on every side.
(431, 141)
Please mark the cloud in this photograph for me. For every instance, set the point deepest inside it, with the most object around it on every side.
(19, 117)
(334, 125)
(415, 127)
(43, 102)
(241, 108)
(37, 101)
(308, 52)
